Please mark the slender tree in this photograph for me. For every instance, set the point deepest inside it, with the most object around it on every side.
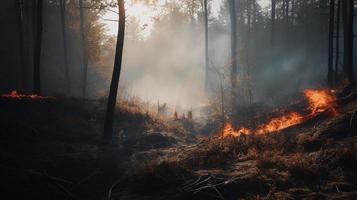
(233, 18)
(337, 46)
(330, 43)
(348, 39)
(206, 42)
(84, 48)
(20, 22)
(109, 118)
(64, 40)
(292, 15)
(37, 51)
(287, 17)
(273, 9)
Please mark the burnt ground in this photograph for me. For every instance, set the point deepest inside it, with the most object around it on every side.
(53, 149)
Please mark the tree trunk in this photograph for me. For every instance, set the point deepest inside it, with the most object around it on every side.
(330, 43)
(348, 39)
(20, 22)
(292, 15)
(108, 126)
(337, 41)
(233, 18)
(249, 11)
(287, 7)
(206, 43)
(84, 49)
(64, 40)
(273, 7)
(37, 51)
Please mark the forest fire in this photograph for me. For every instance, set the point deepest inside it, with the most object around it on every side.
(228, 130)
(16, 96)
(319, 101)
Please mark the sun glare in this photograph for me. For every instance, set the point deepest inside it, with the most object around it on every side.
(146, 16)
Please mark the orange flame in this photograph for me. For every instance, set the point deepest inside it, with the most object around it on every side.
(14, 95)
(280, 123)
(228, 130)
(319, 100)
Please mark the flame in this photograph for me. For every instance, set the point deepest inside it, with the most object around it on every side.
(15, 95)
(319, 101)
(280, 123)
(228, 130)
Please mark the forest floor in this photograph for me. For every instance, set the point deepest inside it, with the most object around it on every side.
(53, 149)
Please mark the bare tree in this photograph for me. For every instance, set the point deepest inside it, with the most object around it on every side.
(64, 40)
(330, 42)
(337, 59)
(20, 23)
(348, 39)
(234, 63)
(273, 8)
(206, 41)
(84, 48)
(37, 51)
(109, 118)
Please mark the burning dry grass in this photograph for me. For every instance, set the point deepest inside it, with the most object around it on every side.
(310, 161)
(320, 101)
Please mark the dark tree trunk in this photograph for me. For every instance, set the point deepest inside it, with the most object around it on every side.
(254, 16)
(206, 43)
(37, 51)
(64, 38)
(273, 7)
(249, 18)
(20, 22)
(234, 67)
(287, 7)
(348, 39)
(109, 118)
(292, 15)
(330, 43)
(233, 18)
(337, 59)
(84, 49)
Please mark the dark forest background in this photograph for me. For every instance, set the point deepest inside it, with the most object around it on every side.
(275, 56)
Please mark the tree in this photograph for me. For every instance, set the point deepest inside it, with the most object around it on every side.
(273, 7)
(233, 17)
(109, 118)
(37, 50)
(84, 48)
(64, 38)
(337, 41)
(347, 6)
(330, 42)
(206, 41)
(20, 22)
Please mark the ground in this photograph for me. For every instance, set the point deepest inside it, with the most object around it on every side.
(53, 149)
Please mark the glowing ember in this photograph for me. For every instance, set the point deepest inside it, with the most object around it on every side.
(320, 101)
(14, 95)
